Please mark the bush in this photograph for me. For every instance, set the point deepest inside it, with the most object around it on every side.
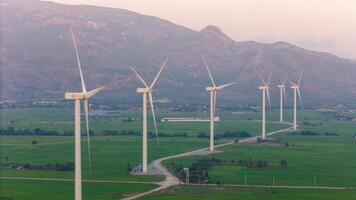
(234, 134)
(203, 135)
(284, 163)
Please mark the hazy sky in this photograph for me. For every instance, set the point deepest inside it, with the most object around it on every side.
(324, 25)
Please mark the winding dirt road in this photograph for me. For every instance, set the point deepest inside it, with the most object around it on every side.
(171, 180)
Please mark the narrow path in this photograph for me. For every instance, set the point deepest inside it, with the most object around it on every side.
(252, 139)
(64, 142)
(71, 180)
(278, 186)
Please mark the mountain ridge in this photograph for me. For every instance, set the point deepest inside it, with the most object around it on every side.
(38, 60)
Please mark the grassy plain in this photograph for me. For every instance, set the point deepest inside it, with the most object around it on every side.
(184, 192)
(330, 158)
(54, 190)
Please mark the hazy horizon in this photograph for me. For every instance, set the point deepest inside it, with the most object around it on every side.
(328, 26)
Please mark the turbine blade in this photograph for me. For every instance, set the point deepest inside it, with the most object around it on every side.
(93, 92)
(269, 79)
(263, 81)
(78, 60)
(284, 92)
(207, 68)
(300, 77)
(153, 115)
(139, 77)
(159, 72)
(300, 98)
(225, 85)
(291, 82)
(269, 100)
(86, 111)
(280, 82)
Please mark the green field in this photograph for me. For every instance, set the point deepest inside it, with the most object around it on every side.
(330, 159)
(62, 120)
(321, 160)
(110, 154)
(184, 192)
(44, 190)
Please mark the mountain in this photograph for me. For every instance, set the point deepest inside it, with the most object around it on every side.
(38, 60)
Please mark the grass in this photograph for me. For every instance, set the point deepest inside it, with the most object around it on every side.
(62, 120)
(54, 190)
(184, 192)
(330, 158)
(110, 154)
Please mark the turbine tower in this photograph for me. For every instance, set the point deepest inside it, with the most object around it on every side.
(282, 96)
(213, 89)
(265, 90)
(147, 90)
(296, 90)
(77, 96)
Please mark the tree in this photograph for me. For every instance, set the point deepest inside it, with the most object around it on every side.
(129, 168)
(203, 135)
(284, 163)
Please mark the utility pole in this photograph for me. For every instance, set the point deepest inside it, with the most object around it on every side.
(314, 180)
(274, 179)
(186, 170)
(245, 178)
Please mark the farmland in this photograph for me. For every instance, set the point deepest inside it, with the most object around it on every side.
(322, 160)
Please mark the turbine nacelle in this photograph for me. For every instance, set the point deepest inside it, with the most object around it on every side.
(82, 95)
(144, 90)
(211, 88)
(280, 86)
(263, 87)
(74, 95)
(295, 87)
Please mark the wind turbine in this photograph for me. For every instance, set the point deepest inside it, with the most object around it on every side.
(265, 90)
(77, 96)
(282, 96)
(213, 89)
(147, 90)
(296, 90)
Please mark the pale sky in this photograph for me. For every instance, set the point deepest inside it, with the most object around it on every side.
(323, 25)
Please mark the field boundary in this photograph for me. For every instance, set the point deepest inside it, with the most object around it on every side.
(274, 186)
(72, 180)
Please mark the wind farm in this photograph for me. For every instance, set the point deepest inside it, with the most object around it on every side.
(230, 119)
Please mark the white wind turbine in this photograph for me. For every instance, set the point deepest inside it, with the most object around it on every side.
(213, 89)
(77, 96)
(296, 90)
(282, 96)
(147, 90)
(265, 90)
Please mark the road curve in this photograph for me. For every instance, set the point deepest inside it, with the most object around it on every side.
(171, 180)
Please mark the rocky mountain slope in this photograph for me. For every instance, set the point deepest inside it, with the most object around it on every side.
(38, 60)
